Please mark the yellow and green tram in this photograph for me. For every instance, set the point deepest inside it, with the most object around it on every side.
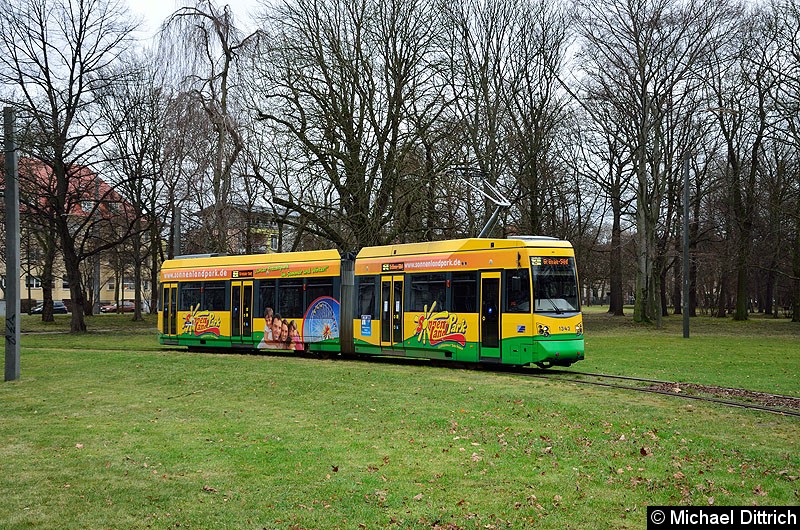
(250, 301)
(512, 301)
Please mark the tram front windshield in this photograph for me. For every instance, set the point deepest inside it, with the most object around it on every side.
(555, 285)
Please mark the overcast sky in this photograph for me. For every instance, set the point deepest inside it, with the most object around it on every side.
(154, 12)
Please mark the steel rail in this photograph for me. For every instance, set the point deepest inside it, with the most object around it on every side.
(676, 383)
(548, 375)
(730, 403)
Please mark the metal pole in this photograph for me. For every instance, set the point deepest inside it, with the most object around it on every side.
(96, 260)
(686, 245)
(12, 248)
(176, 231)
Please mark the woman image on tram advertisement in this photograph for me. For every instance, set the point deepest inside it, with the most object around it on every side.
(268, 317)
(294, 340)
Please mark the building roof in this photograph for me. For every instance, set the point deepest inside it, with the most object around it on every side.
(38, 183)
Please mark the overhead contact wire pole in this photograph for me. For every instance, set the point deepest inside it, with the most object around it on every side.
(494, 195)
(12, 248)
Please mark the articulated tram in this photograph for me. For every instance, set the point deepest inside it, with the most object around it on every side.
(511, 301)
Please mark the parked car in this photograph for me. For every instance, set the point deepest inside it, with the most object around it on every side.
(127, 307)
(58, 308)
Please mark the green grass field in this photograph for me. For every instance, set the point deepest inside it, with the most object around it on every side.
(108, 430)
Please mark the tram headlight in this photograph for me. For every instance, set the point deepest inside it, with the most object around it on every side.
(579, 328)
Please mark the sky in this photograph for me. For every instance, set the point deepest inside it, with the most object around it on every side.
(154, 12)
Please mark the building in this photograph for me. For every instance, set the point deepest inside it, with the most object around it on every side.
(251, 230)
(95, 209)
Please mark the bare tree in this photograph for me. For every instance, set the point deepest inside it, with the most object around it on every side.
(535, 109)
(607, 164)
(134, 113)
(183, 172)
(205, 36)
(641, 53)
(37, 225)
(55, 54)
(479, 55)
(740, 80)
(347, 90)
(787, 101)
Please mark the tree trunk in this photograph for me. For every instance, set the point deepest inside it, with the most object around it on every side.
(742, 291)
(47, 291)
(796, 267)
(616, 296)
(677, 291)
(769, 289)
(137, 277)
(49, 247)
(693, 235)
(155, 245)
(72, 266)
(643, 256)
(663, 288)
(722, 299)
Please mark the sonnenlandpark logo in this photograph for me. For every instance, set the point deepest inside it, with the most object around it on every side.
(443, 327)
(199, 323)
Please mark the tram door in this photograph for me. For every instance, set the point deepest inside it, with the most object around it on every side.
(169, 309)
(490, 316)
(391, 310)
(241, 311)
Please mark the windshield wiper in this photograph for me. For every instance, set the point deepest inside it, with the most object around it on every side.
(555, 306)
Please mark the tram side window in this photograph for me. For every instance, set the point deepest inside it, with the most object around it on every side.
(290, 298)
(427, 289)
(518, 291)
(316, 287)
(190, 295)
(464, 287)
(266, 294)
(214, 296)
(366, 297)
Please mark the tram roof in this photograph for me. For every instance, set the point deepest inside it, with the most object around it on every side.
(243, 260)
(462, 245)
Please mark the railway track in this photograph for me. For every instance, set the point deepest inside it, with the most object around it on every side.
(761, 401)
(746, 399)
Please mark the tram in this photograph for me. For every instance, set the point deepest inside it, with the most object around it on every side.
(511, 301)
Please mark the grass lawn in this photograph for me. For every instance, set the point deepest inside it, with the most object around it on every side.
(110, 431)
(761, 354)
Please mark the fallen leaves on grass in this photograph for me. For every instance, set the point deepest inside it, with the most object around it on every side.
(737, 394)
